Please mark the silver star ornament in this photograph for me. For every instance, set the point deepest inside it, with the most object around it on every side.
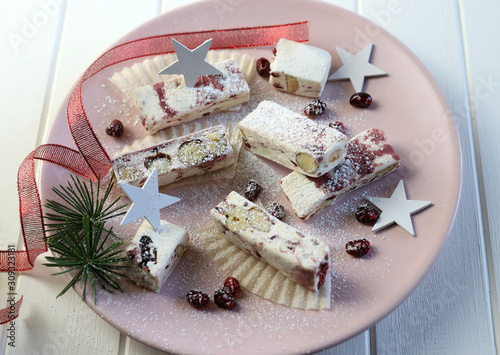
(356, 67)
(191, 63)
(397, 209)
(147, 201)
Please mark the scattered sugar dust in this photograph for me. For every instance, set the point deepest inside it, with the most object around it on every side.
(167, 314)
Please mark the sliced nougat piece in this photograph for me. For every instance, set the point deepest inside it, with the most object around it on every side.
(194, 154)
(171, 103)
(153, 255)
(303, 259)
(292, 140)
(300, 68)
(369, 157)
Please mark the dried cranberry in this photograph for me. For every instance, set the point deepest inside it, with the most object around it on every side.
(263, 67)
(361, 100)
(209, 81)
(252, 190)
(115, 129)
(197, 298)
(358, 247)
(224, 299)
(367, 213)
(148, 251)
(275, 51)
(233, 285)
(276, 210)
(315, 108)
(339, 126)
(323, 268)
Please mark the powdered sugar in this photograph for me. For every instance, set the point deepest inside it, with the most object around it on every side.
(167, 314)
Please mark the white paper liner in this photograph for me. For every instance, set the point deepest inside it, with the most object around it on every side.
(259, 277)
(146, 73)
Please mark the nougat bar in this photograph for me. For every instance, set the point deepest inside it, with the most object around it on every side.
(171, 103)
(303, 259)
(369, 157)
(153, 255)
(299, 68)
(194, 154)
(292, 140)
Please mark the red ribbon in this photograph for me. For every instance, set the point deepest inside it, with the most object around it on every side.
(92, 160)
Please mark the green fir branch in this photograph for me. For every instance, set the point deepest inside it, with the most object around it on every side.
(79, 200)
(80, 239)
(84, 253)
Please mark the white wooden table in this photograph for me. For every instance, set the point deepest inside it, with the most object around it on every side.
(44, 48)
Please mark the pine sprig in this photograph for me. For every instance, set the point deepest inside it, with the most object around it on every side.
(86, 253)
(80, 239)
(81, 200)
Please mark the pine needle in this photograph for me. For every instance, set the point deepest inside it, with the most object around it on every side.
(84, 253)
(79, 237)
(79, 200)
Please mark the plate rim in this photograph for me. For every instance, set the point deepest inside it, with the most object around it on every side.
(423, 69)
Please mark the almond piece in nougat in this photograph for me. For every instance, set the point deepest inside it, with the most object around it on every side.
(299, 68)
(369, 157)
(153, 255)
(303, 259)
(194, 154)
(292, 140)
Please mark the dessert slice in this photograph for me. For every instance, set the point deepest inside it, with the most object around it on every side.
(369, 158)
(303, 259)
(299, 68)
(171, 103)
(292, 140)
(153, 255)
(194, 154)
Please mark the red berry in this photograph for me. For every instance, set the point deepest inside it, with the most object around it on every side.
(367, 213)
(252, 190)
(115, 129)
(197, 299)
(361, 100)
(276, 210)
(323, 268)
(339, 126)
(233, 285)
(148, 250)
(263, 67)
(315, 108)
(358, 247)
(224, 299)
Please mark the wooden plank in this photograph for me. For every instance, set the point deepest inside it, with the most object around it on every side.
(50, 325)
(26, 79)
(26, 32)
(94, 28)
(480, 26)
(428, 321)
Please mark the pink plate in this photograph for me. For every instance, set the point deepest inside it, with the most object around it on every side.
(408, 106)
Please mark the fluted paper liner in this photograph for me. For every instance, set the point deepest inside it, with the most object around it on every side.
(146, 73)
(259, 277)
